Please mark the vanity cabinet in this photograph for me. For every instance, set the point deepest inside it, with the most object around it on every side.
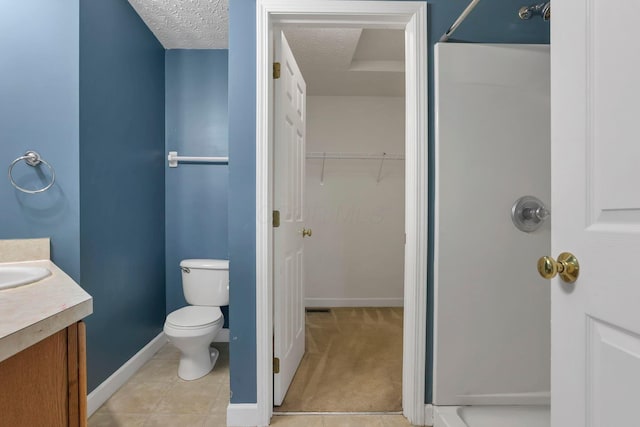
(46, 384)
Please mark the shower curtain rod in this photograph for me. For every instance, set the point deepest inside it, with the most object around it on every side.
(458, 21)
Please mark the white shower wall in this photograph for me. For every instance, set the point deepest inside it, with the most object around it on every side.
(356, 254)
(492, 310)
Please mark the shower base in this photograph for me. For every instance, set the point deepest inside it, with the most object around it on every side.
(492, 416)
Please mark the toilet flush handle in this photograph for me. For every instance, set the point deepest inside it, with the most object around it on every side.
(185, 270)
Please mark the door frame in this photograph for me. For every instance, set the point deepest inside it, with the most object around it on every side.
(412, 17)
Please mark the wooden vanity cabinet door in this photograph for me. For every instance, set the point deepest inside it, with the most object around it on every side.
(33, 385)
(45, 384)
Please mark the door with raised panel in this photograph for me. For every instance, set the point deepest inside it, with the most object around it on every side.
(288, 250)
(595, 348)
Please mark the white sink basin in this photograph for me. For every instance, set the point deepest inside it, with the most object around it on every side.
(12, 276)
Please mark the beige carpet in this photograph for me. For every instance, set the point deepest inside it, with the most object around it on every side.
(352, 363)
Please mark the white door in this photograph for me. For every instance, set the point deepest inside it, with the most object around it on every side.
(595, 344)
(288, 252)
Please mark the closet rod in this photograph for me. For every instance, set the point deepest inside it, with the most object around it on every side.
(355, 156)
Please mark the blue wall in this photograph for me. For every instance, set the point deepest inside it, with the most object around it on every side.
(122, 192)
(39, 111)
(196, 125)
(242, 200)
(492, 22)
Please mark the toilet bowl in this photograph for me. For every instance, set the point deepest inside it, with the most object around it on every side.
(193, 328)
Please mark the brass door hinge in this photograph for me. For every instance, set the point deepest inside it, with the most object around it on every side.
(276, 219)
(276, 365)
(276, 70)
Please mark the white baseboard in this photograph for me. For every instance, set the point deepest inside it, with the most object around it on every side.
(353, 302)
(243, 414)
(105, 390)
(428, 414)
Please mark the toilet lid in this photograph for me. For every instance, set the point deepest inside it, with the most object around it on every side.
(194, 316)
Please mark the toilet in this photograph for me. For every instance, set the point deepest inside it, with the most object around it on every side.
(205, 283)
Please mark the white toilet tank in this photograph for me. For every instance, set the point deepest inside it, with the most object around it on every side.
(205, 281)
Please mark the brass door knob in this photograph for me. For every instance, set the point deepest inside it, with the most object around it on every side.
(567, 266)
(306, 232)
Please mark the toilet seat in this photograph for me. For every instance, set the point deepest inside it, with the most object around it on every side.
(195, 317)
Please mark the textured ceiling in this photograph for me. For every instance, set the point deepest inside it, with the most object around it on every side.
(334, 61)
(349, 62)
(186, 24)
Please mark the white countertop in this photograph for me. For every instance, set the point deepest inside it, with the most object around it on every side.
(32, 312)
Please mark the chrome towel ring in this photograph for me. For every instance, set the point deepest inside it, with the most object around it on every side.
(32, 158)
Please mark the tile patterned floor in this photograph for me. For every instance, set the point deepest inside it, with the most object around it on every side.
(155, 396)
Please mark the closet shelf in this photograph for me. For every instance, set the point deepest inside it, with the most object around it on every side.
(353, 156)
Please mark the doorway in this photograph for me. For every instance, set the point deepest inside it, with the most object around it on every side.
(407, 16)
(353, 263)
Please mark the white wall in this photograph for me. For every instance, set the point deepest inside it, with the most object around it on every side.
(356, 254)
(492, 310)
